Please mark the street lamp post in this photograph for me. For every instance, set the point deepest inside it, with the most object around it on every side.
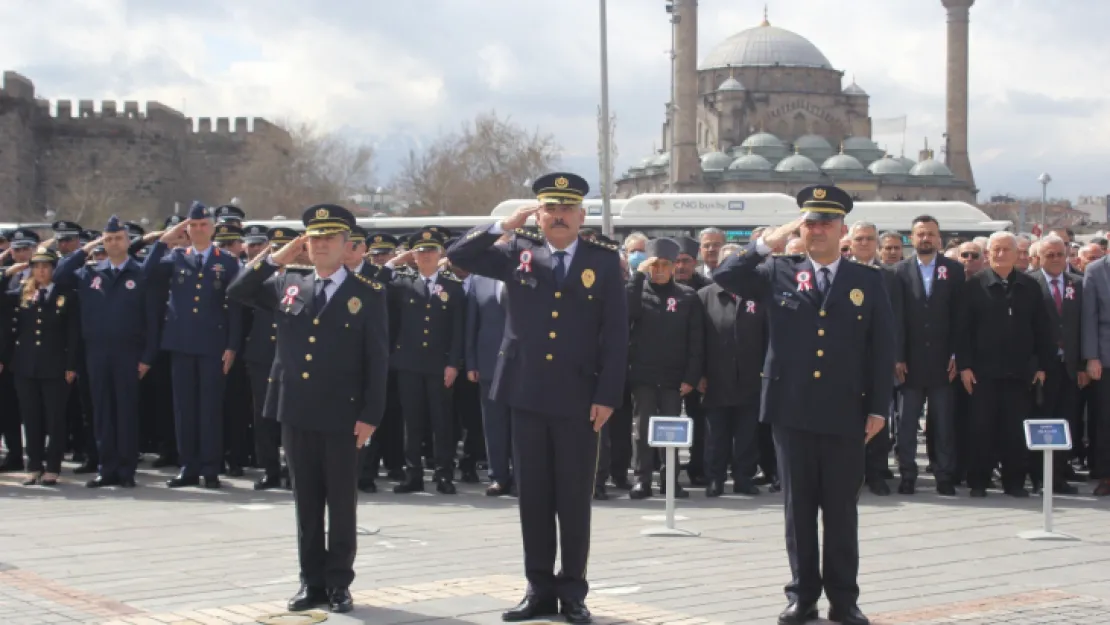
(606, 133)
(1044, 179)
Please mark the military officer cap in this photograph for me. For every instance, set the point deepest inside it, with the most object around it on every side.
(382, 243)
(358, 234)
(88, 236)
(446, 232)
(229, 213)
(113, 225)
(663, 249)
(44, 255)
(560, 188)
(281, 236)
(66, 230)
(403, 242)
(687, 246)
(199, 211)
(824, 203)
(134, 230)
(426, 239)
(256, 233)
(23, 238)
(228, 233)
(172, 221)
(324, 220)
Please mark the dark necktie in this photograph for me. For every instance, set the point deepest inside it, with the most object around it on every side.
(823, 285)
(560, 268)
(428, 286)
(1057, 296)
(42, 296)
(322, 296)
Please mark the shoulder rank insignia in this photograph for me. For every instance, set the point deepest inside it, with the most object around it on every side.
(374, 284)
(612, 247)
(868, 265)
(450, 276)
(521, 232)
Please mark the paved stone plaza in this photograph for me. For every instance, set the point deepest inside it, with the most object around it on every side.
(151, 556)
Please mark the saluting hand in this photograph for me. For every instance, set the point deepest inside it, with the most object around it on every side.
(599, 415)
(776, 239)
(169, 237)
(401, 259)
(363, 432)
(519, 217)
(645, 266)
(14, 269)
(290, 251)
(92, 245)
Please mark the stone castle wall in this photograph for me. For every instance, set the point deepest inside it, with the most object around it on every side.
(86, 161)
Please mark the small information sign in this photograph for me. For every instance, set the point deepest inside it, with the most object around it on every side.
(671, 432)
(1047, 434)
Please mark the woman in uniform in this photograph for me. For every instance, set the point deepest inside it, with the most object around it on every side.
(44, 364)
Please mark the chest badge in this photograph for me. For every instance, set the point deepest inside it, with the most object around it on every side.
(61, 301)
(1069, 292)
(354, 305)
(95, 284)
(290, 295)
(672, 304)
(588, 278)
(942, 273)
(130, 284)
(749, 307)
(805, 280)
(443, 296)
(856, 296)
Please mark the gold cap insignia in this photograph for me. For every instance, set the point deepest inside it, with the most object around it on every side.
(378, 239)
(588, 278)
(354, 305)
(426, 236)
(561, 183)
(61, 301)
(322, 213)
(819, 194)
(223, 229)
(856, 296)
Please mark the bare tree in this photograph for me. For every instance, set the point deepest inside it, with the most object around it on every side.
(88, 198)
(470, 171)
(309, 166)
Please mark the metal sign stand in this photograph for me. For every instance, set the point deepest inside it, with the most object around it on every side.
(1046, 448)
(683, 426)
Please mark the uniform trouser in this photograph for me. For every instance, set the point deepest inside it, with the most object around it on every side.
(692, 401)
(238, 414)
(616, 443)
(43, 403)
(267, 432)
(426, 402)
(11, 426)
(1060, 394)
(148, 403)
(498, 433)
(164, 418)
(768, 458)
(649, 401)
(198, 390)
(942, 425)
(387, 445)
(821, 473)
(733, 436)
(555, 472)
(998, 408)
(83, 390)
(114, 380)
(323, 467)
(467, 403)
(1098, 421)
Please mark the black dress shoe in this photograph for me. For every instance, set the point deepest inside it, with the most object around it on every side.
(798, 613)
(575, 611)
(102, 480)
(340, 601)
(496, 489)
(212, 482)
(445, 486)
(946, 489)
(127, 482)
(600, 493)
(906, 487)
(640, 490)
(622, 482)
(878, 487)
(848, 616)
(86, 467)
(531, 607)
(776, 486)
(367, 486)
(469, 476)
(267, 482)
(308, 597)
(744, 488)
(715, 489)
(183, 480)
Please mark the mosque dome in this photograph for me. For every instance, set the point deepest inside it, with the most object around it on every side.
(908, 162)
(750, 162)
(764, 144)
(888, 166)
(646, 162)
(842, 162)
(816, 147)
(715, 161)
(854, 89)
(662, 160)
(798, 164)
(731, 84)
(765, 46)
(931, 168)
(865, 150)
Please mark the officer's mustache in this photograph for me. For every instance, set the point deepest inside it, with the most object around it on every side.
(559, 223)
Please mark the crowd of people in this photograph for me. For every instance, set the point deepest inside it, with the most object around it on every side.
(989, 331)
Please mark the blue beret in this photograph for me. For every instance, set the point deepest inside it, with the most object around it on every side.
(113, 225)
(199, 211)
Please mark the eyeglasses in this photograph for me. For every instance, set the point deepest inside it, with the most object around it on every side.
(971, 255)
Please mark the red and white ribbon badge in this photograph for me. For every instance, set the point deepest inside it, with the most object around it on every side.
(750, 307)
(437, 289)
(130, 284)
(805, 281)
(942, 273)
(1069, 292)
(290, 295)
(525, 262)
(672, 304)
(95, 284)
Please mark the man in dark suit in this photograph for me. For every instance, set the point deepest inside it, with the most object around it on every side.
(562, 369)
(332, 354)
(1065, 374)
(930, 286)
(485, 327)
(826, 390)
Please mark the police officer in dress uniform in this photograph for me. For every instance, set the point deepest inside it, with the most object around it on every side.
(68, 239)
(202, 331)
(388, 443)
(238, 439)
(229, 214)
(23, 244)
(827, 382)
(44, 363)
(332, 355)
(561, 372)
(120, 329)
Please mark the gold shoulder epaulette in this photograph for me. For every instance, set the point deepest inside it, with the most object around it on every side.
(451, 276)
(611, 247)
(521, 232)
(868, 265)
(374, 284)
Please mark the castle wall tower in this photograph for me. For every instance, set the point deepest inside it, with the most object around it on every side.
(956, 156)
(684, 153)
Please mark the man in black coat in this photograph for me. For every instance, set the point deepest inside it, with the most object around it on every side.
(826, 390)
(930, 287)
(330, 372)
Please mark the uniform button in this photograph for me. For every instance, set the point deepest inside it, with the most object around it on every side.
(816, 374)
(198, 287)
(308, 357)
(821, 332)
(312, 339)
(425, 344)
(38, 331)
(273, 325)
(38, 343)
(195, 310)
(425, 331)
(822, 313)
(427, 318)
(269, 380)
(550, 357)
(820, 353)
(427, 305)
(315, 322)
(305, 375)
(554, 314)
(196, 299)
(200, 275)
(558, 294)
(859, 317)
(273, 338)
(552, 335)
(36, 320)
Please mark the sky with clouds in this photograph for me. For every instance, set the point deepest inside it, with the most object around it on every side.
(399, 73)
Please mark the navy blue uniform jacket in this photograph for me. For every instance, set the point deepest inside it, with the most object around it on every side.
(827, 367)
(564, 348)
